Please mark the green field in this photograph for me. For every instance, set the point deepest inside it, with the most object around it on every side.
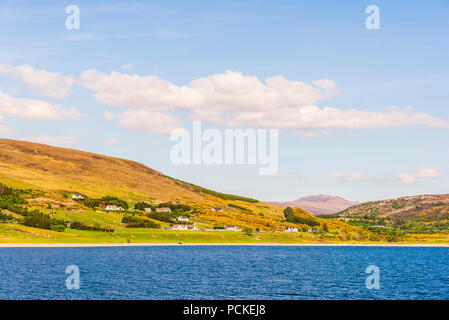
(16, 233)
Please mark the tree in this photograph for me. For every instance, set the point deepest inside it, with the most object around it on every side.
(324, 227)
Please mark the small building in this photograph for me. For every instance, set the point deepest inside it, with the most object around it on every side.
(182, 218)
(192, 228)
(113, 207)
(147, 209)
(77, 196)
(217, 209)
(291, 229)
(163, 209)
(219, 228)
(231, 228)
(313, 230)
(179, 227)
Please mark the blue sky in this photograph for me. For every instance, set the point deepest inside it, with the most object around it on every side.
(403, 65)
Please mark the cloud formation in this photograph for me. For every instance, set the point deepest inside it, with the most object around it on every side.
(43, 83)
(235, 99)
(419, 173)
(32, 109)
(351, 177)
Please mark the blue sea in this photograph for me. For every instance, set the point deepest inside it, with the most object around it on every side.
(225, 272)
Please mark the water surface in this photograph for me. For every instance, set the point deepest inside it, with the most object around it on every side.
(224, 272)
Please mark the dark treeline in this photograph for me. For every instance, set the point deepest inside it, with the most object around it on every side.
(81, 226)
(291, 217)
(107, 200)
(136, 222)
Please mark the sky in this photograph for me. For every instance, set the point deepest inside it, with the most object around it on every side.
(361, 113)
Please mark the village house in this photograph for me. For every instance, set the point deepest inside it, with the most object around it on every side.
(182, 218)
(77, 196)
(113, 207)
(313, 230)
(291, 229)
(217, 209)
(164, 209)
(179, 227)
(231, 228)
(192, 228)
(147, 209)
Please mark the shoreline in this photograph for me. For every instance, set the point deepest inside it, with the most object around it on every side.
(93, 245)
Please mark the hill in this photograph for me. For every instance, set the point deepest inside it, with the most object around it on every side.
(41, 184)
(412, 214)
(319, 204)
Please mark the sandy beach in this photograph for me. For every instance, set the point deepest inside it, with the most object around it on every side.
(79, 245)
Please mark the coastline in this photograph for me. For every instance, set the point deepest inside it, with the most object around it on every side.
(92, 245)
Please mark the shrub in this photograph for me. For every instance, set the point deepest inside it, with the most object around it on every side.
(136, 222)
(291, 217)
(81, 226)
(110, 200)
(36, 219)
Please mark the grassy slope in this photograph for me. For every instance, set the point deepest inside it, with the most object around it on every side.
(36, 166)
(425, 208)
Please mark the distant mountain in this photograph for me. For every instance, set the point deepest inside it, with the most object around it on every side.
(319, 204)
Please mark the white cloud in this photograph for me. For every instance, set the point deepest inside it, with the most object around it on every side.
(108, 115)
(419, 173)
(351, 177)
(33, 109)
(235, 99)
(44, 83)
(128, 66)
(111, 141)
(54, 141)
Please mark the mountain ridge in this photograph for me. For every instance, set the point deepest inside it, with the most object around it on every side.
(321, 204)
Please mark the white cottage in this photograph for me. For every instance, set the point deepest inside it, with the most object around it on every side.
(113, 207)
(179, 227)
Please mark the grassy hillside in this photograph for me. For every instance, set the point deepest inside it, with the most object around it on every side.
(38, 182)
(423, 214)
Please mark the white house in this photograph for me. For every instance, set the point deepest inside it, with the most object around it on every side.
(313, 230)
(182, 218)
(77, 196)
(113, 207)
(179, 227)
(231, 228)
(217, 209)
(164, 209)
(147, 209)
(291, 229)
(192, 228)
